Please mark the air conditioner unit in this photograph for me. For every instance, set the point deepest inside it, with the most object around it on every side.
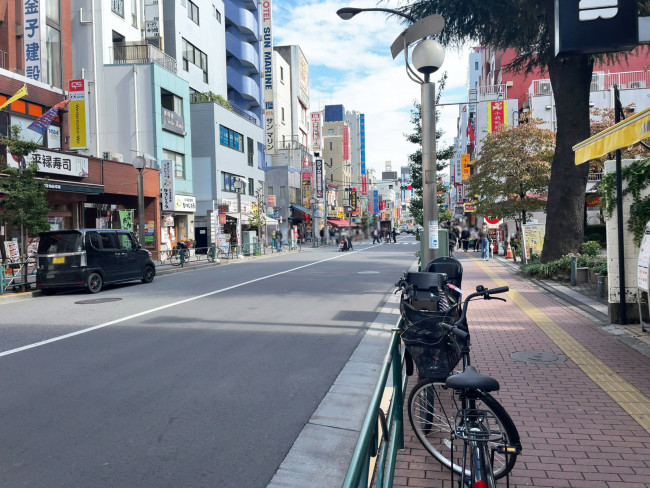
(544, 88)
(114, 156)
(637, 84)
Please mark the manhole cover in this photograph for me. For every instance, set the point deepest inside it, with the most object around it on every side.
(93, 301)
(537, 357)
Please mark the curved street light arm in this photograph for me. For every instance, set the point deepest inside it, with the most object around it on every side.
(346, 13)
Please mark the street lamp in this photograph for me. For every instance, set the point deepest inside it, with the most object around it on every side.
(139, 163)
(427, 57)
(239, 186)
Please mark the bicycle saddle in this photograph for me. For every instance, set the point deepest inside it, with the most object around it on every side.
(472, 379)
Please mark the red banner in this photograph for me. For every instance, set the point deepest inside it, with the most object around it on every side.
(364, 185)
(346, 143)
(497, 115)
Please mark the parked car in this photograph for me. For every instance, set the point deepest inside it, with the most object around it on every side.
(90, 258)
(403, 228)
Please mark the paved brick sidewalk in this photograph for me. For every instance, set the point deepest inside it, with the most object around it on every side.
(574, 434)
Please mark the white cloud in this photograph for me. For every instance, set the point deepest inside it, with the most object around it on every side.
(350, 64)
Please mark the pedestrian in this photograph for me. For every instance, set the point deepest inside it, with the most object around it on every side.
(485, 247)
(273, 237)
(473, 235)
(453, 240)
(394, 236)
(464, 238)
(375, 236)
(278, 239)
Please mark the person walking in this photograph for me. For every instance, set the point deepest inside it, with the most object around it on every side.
(453, 240)
(278, 239)
(473, 235)
(464, 238)
(394, 236)
(485, 247)
(374, 236)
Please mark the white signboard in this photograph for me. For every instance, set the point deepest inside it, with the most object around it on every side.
(643, 261)
(315, 131)
(167, 184)
(433, 234)
(53, 162)
(33, 20)
(185, 203)
(267, 77)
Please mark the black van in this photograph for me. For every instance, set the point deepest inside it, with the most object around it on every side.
(90, 258)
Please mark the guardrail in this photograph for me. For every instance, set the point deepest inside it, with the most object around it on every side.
(12, 274)
(392, 425)
(176, 257)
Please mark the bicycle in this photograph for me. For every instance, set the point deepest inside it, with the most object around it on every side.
(444, 407)
(175, 257)
(214, 253)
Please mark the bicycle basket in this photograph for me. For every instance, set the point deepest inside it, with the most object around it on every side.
(435, 352)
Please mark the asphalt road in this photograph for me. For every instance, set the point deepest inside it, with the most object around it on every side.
(202, 378)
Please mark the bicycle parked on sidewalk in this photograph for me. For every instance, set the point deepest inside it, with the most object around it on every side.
(180, 254)
(454, 417)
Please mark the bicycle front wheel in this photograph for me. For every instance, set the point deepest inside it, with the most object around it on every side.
(432, 408)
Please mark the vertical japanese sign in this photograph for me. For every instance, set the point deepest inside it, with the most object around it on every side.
(267, 78)
(306, 187)
(33, 18)
(315, 131)
(375, 201)
(362, 140)
(319, 178)
(346, 142)
(464, 161)
(497, 115)
(167, 185)
(78, 114)
(364, 184)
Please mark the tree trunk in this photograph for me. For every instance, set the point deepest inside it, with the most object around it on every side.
(570, 78)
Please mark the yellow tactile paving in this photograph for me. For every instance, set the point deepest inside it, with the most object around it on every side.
(620, 390)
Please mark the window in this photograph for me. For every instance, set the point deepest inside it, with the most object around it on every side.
(230, 138)
(331, 145)
(270, 190)
(53, 75)
(283, 115)
(53, 11)
(126, 242)
(192, 54)
(193, 12)
(228, 181)
(476, 65)
(171, 102)
(251, 150)
(109, 240)
(134, 13)
(179, 163)
(330, 132)
(117, 7)
(216, 14)
(92, 238)
(251, 186)
(281, 74)
(283, 192)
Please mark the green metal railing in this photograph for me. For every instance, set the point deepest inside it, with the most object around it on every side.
(392, 425)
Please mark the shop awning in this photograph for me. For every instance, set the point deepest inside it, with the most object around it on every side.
(246, 217)
(301, 209)
(339, 222)
(623, 134)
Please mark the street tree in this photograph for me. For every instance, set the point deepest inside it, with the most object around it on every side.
(513, 171)
(443, 155)
(527, 26)
(24, 204)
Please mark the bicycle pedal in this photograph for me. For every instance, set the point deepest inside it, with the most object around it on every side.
(501, 449)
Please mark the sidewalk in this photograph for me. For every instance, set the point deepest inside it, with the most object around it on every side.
(583, 421)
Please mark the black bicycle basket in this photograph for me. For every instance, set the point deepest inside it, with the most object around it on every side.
(434, 350)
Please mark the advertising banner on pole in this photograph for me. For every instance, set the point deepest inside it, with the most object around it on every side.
(315, 131)
(167, 186)
(346, 143)
(497, 115)
(78, 108)
(319, 178)
(362, 142)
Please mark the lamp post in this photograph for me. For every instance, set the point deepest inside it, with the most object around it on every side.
(239, 185)
(427, 57)
(139, 163)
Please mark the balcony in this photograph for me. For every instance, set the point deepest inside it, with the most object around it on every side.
(140, 53)
(601, 81)
(212, 98)
(492, 92)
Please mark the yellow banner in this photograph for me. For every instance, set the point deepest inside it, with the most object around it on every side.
(623, 134)
(464, 165)
(77, 117)
(19, 94)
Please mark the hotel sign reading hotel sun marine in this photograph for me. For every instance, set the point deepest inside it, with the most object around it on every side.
(267, 78)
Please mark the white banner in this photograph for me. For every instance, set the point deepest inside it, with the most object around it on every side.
(53, 162)
(167, 185)
(33, 20)
(315, 131)
(267, 78)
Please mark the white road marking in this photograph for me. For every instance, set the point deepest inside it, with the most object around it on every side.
(169, 305)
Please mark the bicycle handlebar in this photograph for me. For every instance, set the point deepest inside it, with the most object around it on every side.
(480, 292)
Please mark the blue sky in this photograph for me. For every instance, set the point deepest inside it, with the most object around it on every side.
(350, 64)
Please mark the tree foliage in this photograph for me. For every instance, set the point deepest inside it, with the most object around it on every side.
(527, 27)
(513, 171)
(24, 203)
(443, 155)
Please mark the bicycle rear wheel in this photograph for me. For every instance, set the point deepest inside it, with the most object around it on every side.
(432, 408)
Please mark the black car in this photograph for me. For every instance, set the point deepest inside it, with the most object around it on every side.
(90, 258)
